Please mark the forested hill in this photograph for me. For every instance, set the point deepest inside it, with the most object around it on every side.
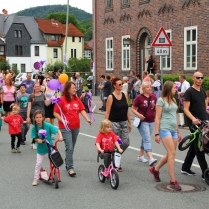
(43, 11)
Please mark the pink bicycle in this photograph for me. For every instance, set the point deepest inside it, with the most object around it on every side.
(107, 170)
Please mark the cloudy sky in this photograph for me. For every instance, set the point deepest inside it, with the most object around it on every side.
(13, 6)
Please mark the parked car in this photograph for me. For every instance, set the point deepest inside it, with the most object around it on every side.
(89, 82)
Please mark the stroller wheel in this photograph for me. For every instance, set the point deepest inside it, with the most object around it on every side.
(206, 176)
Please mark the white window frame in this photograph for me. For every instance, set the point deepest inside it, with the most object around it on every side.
(166, 57)
(186, 43)
(128, 59)
(108, 52)
(125, 2)
(55, 53)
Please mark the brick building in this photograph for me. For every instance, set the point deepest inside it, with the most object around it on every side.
(138, 21)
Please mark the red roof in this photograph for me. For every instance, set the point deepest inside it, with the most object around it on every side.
(72, 30)
(91, 43)
(49, 26)
(56, 43)
(86, 47)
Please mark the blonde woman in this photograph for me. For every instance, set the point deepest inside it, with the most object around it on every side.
(144, 108)
(167, 132)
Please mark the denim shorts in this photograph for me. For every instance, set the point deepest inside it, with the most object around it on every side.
(166, 133)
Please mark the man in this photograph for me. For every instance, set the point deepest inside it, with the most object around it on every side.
(101, 86)
(107, 89)
(131, 81)
(78, 83)
(22, 100)
(195, 109)
(28, 83)
(184, 86)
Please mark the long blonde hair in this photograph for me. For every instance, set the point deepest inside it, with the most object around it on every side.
(104, 124)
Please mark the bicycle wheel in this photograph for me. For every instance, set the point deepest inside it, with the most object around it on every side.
(56, 184)
(185, 143)
(100, 175)
(114, 180)
(206, 176)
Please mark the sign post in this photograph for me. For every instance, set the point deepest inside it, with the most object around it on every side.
(161, 44)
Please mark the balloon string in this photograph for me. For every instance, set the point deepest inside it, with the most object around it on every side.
(64, 120)
(91, 111)
(180, 100)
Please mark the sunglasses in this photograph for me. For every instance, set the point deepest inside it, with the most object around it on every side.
(198, 78)
(47, 80)
(119, 84)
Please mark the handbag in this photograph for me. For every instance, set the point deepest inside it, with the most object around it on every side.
(56, 159)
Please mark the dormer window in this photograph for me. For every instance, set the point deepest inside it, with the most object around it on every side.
(53, 38)
(18, 34)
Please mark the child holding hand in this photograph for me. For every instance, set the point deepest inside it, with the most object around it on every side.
(106, 140)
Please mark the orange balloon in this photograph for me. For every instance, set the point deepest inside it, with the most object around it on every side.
(63, 78)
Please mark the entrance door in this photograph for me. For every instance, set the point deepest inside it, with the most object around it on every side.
(147, 51)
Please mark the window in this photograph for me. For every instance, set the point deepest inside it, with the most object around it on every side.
(36, 50)
(109, 54)
(14, 66)
(144, 1)
(109, 4)
(79, 39)
(2, 50)
(53, 38)
(18, 50)
(18, 34)
(125, 1)
(190, 48)
(73, 39)
(87, 54)
(55, 55)
(166, 60)
(73, 53)
(22, 68)
(125, 54)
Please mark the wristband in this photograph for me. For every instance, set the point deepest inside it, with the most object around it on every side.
(157, 134)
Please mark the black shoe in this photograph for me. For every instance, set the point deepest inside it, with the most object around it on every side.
(25, 138)
(184, 126)
(22, 143)
(188, 172)
(101, 108)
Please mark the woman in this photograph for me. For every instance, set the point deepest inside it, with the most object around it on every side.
(118, 101)
(8, 96)
(166, 130)
(37, 101)
(157, 86)
(67, 112)
(125, 85)
(49, 108)
(137, 85)
(144, 108)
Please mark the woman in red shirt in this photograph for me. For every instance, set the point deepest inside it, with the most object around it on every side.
(67, 112)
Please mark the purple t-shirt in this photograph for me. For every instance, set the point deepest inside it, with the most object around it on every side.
(141, 103)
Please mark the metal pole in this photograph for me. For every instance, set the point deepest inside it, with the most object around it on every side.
(161, 70)
(94, 49)
(66, 34)
(142, 63)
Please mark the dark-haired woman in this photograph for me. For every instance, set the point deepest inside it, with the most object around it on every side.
(67, 112)
(117, 112)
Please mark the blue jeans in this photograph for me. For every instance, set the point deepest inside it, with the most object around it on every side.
(70, 138)
(145, 131)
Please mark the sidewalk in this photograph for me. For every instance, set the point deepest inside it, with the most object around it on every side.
(98, 103)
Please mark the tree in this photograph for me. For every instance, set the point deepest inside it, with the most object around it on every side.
(4, 64)
(79, 65)
(58, 65)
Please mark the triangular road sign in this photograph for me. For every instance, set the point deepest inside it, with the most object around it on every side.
(161, 39)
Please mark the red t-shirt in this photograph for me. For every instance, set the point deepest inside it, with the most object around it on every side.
(14, 123)
(141, 102)
(107, 141)
(70, 110)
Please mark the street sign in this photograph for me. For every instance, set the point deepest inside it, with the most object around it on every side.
(161, 39)
(161, 51)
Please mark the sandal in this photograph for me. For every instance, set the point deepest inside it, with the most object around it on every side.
(119, 169)
(71, 173)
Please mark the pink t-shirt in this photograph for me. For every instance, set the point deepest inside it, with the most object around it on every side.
(8, 94)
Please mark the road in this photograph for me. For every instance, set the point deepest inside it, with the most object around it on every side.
(136, 189)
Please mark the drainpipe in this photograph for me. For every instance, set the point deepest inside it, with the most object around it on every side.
(94, 38)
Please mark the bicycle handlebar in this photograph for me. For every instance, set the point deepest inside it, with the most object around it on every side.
(202, 124)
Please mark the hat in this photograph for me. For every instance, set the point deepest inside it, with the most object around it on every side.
(102, 76)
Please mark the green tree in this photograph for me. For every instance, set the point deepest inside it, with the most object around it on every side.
(58, 65)
(79, 65)
(4, 64)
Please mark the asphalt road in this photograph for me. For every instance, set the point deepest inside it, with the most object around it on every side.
(136, 189)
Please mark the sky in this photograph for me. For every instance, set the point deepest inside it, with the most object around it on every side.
(13, 6)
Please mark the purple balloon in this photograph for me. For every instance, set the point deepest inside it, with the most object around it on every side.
(53, 84)
(61, 86)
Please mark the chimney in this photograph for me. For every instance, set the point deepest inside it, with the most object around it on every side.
(5, 12)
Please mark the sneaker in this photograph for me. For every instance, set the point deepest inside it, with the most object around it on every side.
(156, 174)
(13, 150)
(34, 146)
(35, 182)
(152, 161)
(175, 186)
(18, 150)
(142, 159)
(188, 172)
(31, 146)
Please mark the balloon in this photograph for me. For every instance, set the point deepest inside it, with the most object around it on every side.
(53, 84)
(61, 86)
(63, 78)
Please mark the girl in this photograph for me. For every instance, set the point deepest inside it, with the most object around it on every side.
(106, 139)
(42, 148)
(167, 131)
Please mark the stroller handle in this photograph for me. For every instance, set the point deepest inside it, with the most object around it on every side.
(55, 144)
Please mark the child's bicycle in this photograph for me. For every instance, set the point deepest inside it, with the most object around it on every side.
(55, 161)
(199, 131)
(104, 173)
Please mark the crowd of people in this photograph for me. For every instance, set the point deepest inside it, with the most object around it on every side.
(155, 106)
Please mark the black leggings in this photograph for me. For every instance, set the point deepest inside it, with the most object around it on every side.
(13, 138)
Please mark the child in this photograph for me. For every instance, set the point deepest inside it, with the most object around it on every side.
(14, 122)
(42, 148)
(1, 114)
(106, 140)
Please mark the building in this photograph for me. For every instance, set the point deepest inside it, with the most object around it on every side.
(125, 29)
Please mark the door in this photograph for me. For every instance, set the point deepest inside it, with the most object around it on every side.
(147, 51)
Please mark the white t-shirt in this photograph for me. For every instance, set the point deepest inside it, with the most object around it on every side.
(184, 86)
(125, 88)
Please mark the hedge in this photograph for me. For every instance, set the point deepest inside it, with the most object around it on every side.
(173, 78)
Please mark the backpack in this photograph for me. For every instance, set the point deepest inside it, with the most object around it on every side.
(158, 88)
